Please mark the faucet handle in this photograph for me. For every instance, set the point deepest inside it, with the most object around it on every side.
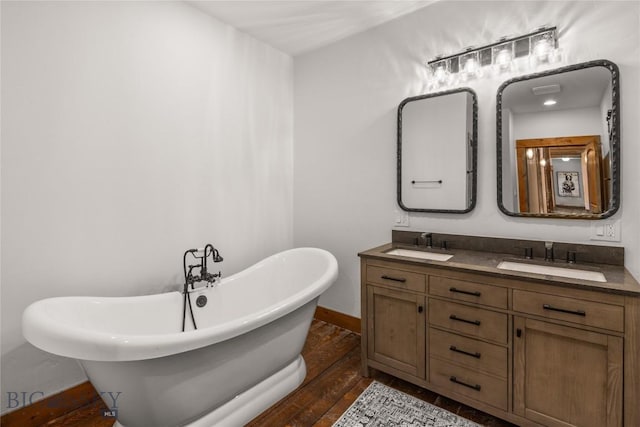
(528, 253)
(571, 257)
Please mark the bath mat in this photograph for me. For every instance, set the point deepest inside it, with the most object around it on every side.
(380, 406)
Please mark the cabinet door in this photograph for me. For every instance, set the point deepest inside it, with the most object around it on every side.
(396, 329)
(566, 376)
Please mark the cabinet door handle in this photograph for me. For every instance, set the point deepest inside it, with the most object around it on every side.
(562, 310)
(458, 319)
(420, 309)
(395, 279)
(518, 332)
(457, 381)
(457, 350)
(460, 291)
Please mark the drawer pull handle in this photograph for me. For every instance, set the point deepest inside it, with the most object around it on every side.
(420, 309)
(562, 310)
(457, 381)
(395, 279)
(457, 350)
(460, 291)
(458, 319)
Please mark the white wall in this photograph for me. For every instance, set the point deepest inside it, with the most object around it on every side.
(132, 131)
(345, 99)
(553, 124)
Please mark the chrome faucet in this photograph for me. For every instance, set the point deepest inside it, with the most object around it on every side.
(428, 239)
(548, 251)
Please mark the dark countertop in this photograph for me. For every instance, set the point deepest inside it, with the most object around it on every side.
(619, 280)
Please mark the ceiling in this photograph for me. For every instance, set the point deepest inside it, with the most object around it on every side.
(583, 88)
(299, 26)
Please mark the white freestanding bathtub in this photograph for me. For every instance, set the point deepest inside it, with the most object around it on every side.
(244, 356)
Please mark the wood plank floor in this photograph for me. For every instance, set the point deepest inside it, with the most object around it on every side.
(332, 384)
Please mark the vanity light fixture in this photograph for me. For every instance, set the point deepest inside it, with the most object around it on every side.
(535, 48)
(441, 74)
(503, 57)
(470, 66)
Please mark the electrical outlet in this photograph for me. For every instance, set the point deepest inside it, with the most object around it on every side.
(609, 230)
(401, 219)
(605, 230)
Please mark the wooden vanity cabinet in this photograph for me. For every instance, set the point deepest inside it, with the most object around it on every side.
(566, 376)
(468, 338)
(532, 353)
(396, 330)
(568, 373)
(395, 321)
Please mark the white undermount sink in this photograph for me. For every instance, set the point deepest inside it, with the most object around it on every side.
(419, 254)
(572, 273)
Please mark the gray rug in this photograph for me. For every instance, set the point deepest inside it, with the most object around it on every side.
(382, 406)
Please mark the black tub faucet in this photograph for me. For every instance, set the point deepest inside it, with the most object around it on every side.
(201, 256)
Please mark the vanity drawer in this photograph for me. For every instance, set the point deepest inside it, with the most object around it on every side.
(470, 383)
(397, 278)
(468, 352)
(589, 313)
(479, 293)
(473, 321)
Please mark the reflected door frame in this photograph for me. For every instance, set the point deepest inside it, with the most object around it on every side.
(585, 146)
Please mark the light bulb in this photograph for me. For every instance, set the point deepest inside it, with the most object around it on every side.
(503, 59)
(529, 153)
(471, 66)
(550, 102)
(440, 73)
(542, 49)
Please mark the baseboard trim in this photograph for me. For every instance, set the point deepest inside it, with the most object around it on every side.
(339, 319)
(51, 407)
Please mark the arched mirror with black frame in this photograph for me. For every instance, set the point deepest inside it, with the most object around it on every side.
(437, 152)
(558, 143)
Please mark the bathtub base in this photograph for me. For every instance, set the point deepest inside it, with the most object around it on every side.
(250, 403)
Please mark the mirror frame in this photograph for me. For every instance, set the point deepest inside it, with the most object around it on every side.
(615, 140)
(473, 146)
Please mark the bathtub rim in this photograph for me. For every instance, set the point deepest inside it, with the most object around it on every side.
(79, 343)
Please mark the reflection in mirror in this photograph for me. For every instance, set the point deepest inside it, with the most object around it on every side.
(437, 148)
(558, 146)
